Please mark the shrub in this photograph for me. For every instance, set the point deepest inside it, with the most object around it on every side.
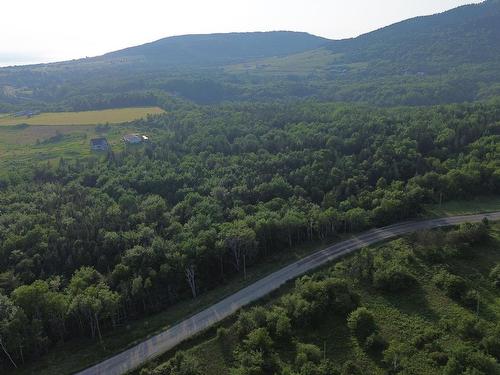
(495, 275)
(310, 368)
(351, 368)
(307, 353)
(439, 358)
(375, 343)
(248, 363)
(474, 233)
(394, 278)
(491, 343)
(299, 309)
(181, 364)
(278, 322)
(313, 299)
(454, 286)
(468, 234)
(361, 323)
(437, 254)
(245, 324)
(260, 340)
(471, 299)
(394, 356)
(467, 360)
(250, 320)
(222, 333)
(426, 339)
(256, 355)
(471, 328)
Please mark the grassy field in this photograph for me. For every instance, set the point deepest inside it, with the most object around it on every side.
(67, 134)
(300, 63)
(25, 144)
(111, 116)
(400, 317)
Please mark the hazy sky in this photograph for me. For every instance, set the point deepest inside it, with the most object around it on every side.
(52, 30)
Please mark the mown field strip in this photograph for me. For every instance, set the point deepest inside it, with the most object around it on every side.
(111, 116)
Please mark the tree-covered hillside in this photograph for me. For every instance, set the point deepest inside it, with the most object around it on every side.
(219, 49)
(445, 58)
(89, 245)
(431, 44)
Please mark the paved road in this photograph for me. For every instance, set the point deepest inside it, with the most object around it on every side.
(162, 342)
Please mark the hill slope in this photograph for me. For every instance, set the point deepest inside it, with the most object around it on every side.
(467, 34)
(202, 50)
(443, 58)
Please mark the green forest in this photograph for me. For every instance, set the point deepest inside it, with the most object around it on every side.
(88, 245)
(272, 145)
(423, 304)
(451, 57)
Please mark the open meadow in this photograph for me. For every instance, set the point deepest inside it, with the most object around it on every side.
(111, 116)
(50, 136)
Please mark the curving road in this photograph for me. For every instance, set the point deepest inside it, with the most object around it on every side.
(134, 357)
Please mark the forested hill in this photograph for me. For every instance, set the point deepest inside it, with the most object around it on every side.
(210, 49)
(467, 34)
(450, 57)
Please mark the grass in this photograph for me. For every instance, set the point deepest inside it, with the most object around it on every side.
(482, 204)
(23, 145)
(300, 63)
(111, 116)
(319, 63)
(400, 317)
(50, 136)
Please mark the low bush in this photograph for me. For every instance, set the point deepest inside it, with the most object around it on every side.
(361, 323)
(181, 364)
(491, 343)
(495, 275)
(467, 360)
(394, 278)
(454, 286)
(375, 343)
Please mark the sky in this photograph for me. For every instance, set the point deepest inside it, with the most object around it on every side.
(33, 31)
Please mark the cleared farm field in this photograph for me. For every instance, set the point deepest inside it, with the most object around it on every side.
(111, 116)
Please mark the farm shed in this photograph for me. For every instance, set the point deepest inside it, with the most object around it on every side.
(99, 144)
(134, 138)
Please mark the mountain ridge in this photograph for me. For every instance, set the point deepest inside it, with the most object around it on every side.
(448, 57)
(246, 44)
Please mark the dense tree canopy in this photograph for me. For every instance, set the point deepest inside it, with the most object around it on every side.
(90, 243)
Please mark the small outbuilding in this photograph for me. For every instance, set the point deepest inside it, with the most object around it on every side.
(99, 144)
(134, 139)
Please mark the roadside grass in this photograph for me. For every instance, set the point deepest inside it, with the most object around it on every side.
(111, 116)
(481, 204)
(400, 318)
(78, 354)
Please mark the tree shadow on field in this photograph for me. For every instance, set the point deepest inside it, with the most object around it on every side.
(412, 302)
